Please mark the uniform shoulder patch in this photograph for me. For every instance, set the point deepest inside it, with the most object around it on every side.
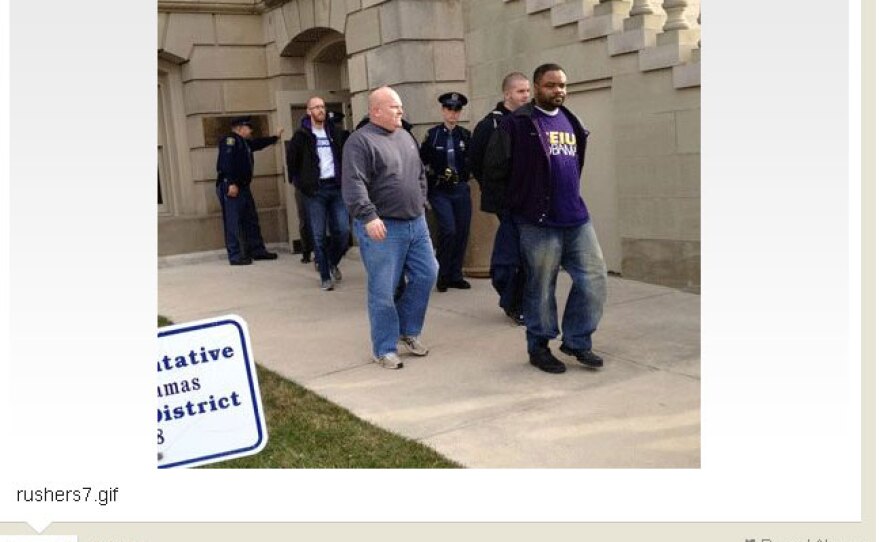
(230, 141)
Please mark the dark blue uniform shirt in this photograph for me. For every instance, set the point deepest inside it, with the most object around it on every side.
(434, 154)
(235, 159)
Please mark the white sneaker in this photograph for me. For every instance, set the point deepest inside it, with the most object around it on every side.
(337, 274)
(389, 361)
(414, 346)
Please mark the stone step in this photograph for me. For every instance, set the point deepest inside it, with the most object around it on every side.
(535, 6)
(673, 47)
(571, 11)
(607, 19)
(630, 41)
(639, 32)
(688, 75)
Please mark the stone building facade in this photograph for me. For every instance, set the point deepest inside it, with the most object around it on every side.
(633, 70)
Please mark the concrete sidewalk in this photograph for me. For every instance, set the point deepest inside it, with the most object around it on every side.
(475, 398)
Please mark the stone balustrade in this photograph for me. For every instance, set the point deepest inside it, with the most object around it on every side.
(679, 38)
(640, 30)
(665, 33)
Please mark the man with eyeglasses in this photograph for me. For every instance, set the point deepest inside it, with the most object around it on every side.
(314, 165)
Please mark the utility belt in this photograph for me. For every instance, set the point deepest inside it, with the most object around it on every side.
(448, 179)
(241, 184)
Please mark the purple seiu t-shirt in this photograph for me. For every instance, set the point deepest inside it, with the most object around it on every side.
(567, 208)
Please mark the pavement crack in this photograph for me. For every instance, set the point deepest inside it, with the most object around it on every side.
(651, 367)
(636, 299)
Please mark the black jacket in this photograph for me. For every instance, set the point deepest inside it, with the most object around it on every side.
(433, 153)
(491, 201)
(303, 164)
(517, 163)
(235, 158)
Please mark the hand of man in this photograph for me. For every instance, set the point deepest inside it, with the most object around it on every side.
(375, 229)
(279, 132)
(232, 191)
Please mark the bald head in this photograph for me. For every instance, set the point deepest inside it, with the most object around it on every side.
(386, 109)
(517, 90)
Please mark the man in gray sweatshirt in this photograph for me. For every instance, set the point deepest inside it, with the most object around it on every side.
(384, 189)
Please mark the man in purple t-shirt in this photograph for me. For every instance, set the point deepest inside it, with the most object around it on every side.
(536, 157)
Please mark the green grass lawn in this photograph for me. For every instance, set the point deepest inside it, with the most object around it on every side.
(308, 431)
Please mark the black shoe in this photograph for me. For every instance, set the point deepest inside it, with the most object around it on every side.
(545, 360)
(265, 256)
(442, 285)
(306, 257)
(587, 357)
(241, 261)
(516, 316)
(461, 284)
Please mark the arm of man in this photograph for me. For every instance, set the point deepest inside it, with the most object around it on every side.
(260, 143)
(466, 138)
(426, 153)
(356, 166)
(477, 150)
(496, 168)
(294, 158)
(496, 161)
(288, 160)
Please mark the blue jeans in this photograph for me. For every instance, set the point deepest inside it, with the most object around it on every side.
(453, 211)
(327, 208)
(505, 268)
(241, 225)
(406, 249)
(577, 250)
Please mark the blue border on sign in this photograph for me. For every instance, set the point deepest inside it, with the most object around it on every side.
(250, 384)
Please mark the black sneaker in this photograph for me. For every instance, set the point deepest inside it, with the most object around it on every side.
(265, 256)
(545, 360)
(306, 257)
(587, 357)
(241, 261)
(461, 284)
(516, 316)
(442, 285)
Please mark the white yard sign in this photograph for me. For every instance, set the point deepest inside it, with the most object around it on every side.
(209, 399)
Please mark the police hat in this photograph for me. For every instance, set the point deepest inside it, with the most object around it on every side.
(453, 100)
(241, 121)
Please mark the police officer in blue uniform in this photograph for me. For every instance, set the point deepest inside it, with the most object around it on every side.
(444, 152)
(235, 169)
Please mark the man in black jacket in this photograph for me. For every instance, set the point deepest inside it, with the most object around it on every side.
(505, 268)
(314, 166)
(537, 156)
(235, 170)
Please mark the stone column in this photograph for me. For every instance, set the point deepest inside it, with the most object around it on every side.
(678, 39)
(417, 48)
(675, 13)
(639, 30)
(688, 75)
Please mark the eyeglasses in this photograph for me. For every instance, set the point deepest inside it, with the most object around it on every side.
(317, 107)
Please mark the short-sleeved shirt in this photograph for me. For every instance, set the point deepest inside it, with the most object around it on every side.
(566, 206)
